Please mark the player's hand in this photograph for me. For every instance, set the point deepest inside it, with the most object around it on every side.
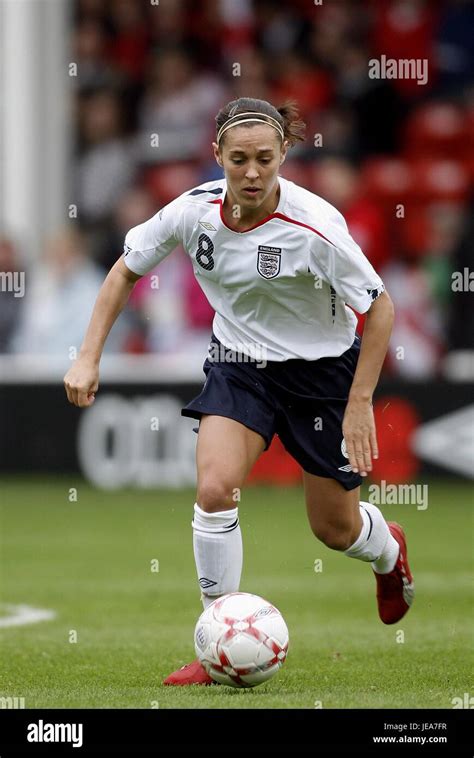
(358, 428)
(82, 382)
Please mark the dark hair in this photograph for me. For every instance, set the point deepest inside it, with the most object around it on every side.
(287, 116)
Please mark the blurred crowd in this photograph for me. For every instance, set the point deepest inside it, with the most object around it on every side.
(395, 156)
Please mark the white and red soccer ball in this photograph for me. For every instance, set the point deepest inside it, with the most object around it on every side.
(241, 640)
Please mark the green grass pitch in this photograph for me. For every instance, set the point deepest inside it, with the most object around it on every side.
(90, 561)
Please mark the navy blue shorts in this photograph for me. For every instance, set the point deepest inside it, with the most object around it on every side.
(303, 402)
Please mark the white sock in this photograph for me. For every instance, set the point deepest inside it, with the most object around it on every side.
(217, 541)
(375, 543)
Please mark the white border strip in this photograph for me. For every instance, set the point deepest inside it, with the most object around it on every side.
(134, 369)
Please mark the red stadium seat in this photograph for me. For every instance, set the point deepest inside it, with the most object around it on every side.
(168, 181)
(414, 232)
(389, 183)
(438, 130)
(441, 180)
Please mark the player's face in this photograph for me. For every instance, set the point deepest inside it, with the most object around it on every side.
(251, 158)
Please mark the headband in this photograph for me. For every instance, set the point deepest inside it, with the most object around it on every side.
(255, 116)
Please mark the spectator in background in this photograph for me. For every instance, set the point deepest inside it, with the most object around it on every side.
(296, 79)
(59, 299)
(89, 47)
(205, 34)
(377, 108)
(179, 103)
(169, 27)
(332, 27)
(404, 29)
(333, 133)
(279, 29)
(106, 165)
(129, 51)
(253, 78)
(11, 303)
(238, 31)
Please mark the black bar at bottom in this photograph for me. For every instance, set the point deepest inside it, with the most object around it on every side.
(243, 732)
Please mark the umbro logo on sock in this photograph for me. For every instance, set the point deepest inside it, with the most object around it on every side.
(206, 583)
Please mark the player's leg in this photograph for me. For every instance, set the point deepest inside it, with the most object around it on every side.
(226, 451)
(342, 522)
(333, 512)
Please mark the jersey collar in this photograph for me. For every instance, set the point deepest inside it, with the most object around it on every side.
(281, 203)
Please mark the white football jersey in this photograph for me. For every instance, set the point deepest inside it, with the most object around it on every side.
(280, 287)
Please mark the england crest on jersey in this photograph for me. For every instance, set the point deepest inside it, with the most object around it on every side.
(268, 261)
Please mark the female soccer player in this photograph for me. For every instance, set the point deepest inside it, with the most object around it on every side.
(279, 267)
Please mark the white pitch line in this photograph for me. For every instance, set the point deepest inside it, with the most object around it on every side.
(20, 615)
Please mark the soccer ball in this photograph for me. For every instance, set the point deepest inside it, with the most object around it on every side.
(241, 639)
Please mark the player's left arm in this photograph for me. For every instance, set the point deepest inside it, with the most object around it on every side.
(359, 426)
(342, 263)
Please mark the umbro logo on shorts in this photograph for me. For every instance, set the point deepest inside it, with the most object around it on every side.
(347, 467)
(268, 261)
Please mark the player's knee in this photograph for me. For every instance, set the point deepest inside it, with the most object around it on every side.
(335, 537)
(215, 495)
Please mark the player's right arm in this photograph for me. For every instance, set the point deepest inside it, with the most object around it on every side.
(82, 380)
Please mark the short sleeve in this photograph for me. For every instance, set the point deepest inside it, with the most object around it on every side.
(339, 260)
(149, 243)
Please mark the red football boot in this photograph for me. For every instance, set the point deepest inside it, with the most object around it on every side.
(191, 673)
(395, 590)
